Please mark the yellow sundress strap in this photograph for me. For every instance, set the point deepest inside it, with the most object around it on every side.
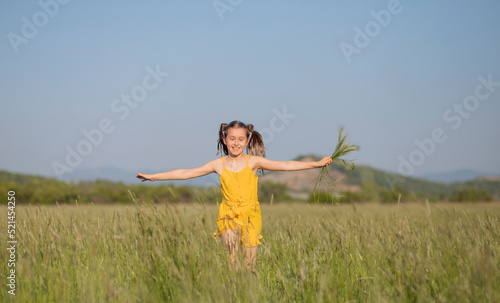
(248, 156)
(223, 165)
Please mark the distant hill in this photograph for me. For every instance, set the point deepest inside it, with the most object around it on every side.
(462, 175)
(365, 177)
(365, 182)
(303, 181)
(104, 173)
(6, 176)
(128, 177)
(294, 180)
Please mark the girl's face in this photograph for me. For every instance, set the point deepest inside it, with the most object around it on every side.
(236, 141)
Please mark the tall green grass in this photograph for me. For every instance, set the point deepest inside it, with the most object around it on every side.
(311, 253)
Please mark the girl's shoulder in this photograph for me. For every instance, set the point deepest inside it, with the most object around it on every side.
(215, 163)
(254, 159)
(218, 160)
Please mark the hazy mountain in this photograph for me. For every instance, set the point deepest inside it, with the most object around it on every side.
(461, 175)
(365, 177)
(361, 176)
(103, 173)
(303, 181)
(128, 177)
(293, 179)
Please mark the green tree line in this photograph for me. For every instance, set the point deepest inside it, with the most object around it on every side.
(41, 190)
(399, 194)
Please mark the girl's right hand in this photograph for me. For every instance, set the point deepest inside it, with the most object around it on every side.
(325, 161)
(144, 177)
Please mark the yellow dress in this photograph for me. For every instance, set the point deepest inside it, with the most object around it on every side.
(240, 209)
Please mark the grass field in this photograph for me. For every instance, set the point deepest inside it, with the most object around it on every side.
(310, 253)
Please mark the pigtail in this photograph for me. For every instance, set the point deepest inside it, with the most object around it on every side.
(221, 147)
(255, 146)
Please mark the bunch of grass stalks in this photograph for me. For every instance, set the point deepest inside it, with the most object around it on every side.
(325, 182)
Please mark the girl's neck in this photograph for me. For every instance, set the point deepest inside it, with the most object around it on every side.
(237, 158)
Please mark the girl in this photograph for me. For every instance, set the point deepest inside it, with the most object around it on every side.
(239, 212)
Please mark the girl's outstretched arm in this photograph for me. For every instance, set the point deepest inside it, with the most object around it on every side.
(180, 174)
(263, 163)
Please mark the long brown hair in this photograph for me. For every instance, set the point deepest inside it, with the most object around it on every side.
(255, 146)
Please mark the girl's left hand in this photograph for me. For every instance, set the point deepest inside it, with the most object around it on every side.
(325, 161)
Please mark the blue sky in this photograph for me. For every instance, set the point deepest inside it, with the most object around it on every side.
(417, 88)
